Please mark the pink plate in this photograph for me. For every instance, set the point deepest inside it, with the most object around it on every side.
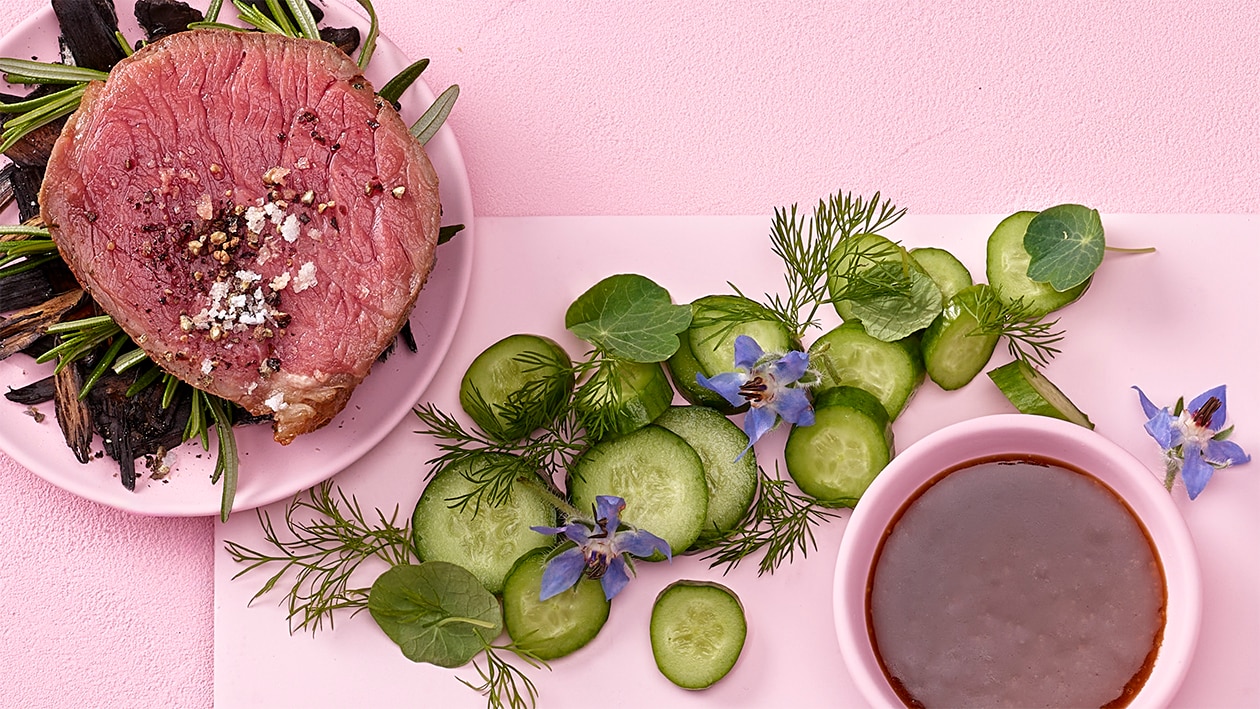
(269, 472)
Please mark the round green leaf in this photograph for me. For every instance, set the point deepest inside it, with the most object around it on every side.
(629, 317)
(437, 612)
(1065, 244)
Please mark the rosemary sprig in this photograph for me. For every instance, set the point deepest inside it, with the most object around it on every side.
(1028, 338)
(504, 685)
(25, 249)
(327, 537)
(26, 71)
(428, 124)
(781, 523)
(40, 112)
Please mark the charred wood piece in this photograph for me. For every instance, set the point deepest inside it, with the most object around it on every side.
(89, 30)
(72, 414)
(26, 181)
(37, 392)
(344, 38)
(162, 17)
(22, 290)
(23, 327)
(136, 426)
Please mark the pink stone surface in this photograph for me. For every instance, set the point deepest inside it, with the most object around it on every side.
(587, 108)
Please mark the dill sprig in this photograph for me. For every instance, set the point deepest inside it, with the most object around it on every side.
(1028, 338)
(504, 685)
(327, 538)
(806, 247)
(781, 524)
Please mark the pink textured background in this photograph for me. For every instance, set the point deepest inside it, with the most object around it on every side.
(701, 107)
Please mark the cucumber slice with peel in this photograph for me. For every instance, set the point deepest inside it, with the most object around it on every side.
(1032, 393)
(516, 385)
(557, 626)
(697, 631)
(847, 355)
(659, 476)
(622, 398)
(955, 349)
(1006, 267)
(850, 442)
(949, 274)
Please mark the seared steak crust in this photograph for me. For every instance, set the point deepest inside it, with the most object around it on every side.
(250, 213)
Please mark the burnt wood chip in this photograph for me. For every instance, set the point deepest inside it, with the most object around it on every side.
(344, 38)
(37, 392)
(162, 17)
(23, 327)
(26, 181)
(133, 427)
(22, 290)
(88, 28)
(72, 415)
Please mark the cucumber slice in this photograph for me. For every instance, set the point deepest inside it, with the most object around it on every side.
(892, 371)
(697, 630)
(713, 343)
(954, 349)
(683, 368)
(659, 476)
(949, 274)
(1032, 393)
(516, 385)
(864, 251)
(1007, 270)
(851, 440)
(557, 626)
(731, 483)
(642, 392)
(485, 540)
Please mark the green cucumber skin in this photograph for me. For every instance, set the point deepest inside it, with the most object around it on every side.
(1006, 267)
(645, 394)
(894, 378)
(819, 472)
(952, 353)
(559, 625)
(732, 484)
(657, 473)
(708, 611)
(949, 274)
(496, 361)
(1030, 392)
(487, 543)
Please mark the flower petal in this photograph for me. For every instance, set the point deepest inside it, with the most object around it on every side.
(1148, 408)
(1163, 429)
(1197, 472)
(1222, 453)
(758, 421)
(577, 533)
(747, 352)
(727, 384)
(790, 367)
(1218, 417)
(615, 578)
(562, 572)
(641, 544)
(608, 509)
(793, 405)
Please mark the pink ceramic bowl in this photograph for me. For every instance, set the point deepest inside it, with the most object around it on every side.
(1018, 434)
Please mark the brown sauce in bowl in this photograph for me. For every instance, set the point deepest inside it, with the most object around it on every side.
(1016, 581)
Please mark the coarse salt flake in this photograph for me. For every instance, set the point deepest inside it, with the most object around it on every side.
(305, 278)
(276, 402)
(290, 228)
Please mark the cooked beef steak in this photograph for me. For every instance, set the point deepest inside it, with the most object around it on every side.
(250, 213)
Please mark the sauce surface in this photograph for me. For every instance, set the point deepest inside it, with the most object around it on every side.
(1016, 582)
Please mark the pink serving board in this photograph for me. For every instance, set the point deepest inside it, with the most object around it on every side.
(1174, 322)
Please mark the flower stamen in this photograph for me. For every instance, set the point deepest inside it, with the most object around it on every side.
(1202, 417)
(756, 391)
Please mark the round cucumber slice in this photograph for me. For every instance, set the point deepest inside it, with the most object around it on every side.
(731, 483)
(858, 252)
(851, 441)
(557, 626)
(697, 630)
(713, 342)
(486, 540)
(1006, 267)
(954, 348)
(516, 385)
(659, 476)
(949, 274)
(683, 368)
(623, 398)
(892, 371)
(1032, 393)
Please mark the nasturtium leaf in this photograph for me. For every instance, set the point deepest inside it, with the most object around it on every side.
(892, 315)
(1065, 244)
(437, 612)
(629, 317)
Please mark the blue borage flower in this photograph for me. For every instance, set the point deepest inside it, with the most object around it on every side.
(1194, 443)
(601, 551)
(771, 385)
